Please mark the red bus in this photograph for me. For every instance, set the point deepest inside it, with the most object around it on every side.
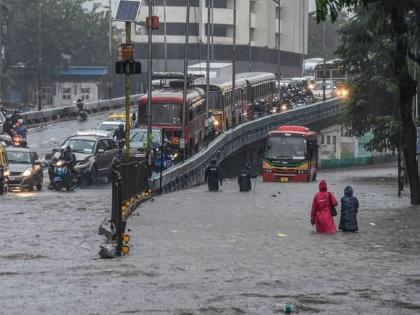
(290, 155)
(167, 104)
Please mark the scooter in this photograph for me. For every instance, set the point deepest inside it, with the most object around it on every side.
(62, 177)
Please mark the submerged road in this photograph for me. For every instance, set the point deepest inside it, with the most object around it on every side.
(196, 252)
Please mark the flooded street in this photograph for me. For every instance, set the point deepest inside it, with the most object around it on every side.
(196, 252)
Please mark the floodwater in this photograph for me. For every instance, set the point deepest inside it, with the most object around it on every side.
(196, 252)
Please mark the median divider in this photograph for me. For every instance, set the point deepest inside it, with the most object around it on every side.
(52, 115)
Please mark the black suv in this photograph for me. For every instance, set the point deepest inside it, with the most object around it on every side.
(94, 155)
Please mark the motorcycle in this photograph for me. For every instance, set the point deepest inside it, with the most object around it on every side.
(62, 177)
(82, 114)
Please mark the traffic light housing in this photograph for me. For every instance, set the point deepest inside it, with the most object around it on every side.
(128, 67)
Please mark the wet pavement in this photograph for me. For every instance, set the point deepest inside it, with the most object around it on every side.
(196, 252)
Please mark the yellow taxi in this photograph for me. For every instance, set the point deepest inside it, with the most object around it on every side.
(4, 169)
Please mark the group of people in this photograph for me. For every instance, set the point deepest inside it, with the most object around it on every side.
(14, 125)
(213, 177)
(323, 205)
(323, 211)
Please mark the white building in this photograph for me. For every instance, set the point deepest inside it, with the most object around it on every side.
(257, 34)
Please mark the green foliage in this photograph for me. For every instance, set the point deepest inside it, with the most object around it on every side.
(69, 35)
(316, 37)
(365, 49)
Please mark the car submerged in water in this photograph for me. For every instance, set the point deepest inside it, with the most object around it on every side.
(24, 168)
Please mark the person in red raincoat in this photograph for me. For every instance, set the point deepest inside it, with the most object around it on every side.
(320, 215)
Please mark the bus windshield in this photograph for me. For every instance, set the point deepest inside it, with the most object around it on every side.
(286, 148)
(162, 114)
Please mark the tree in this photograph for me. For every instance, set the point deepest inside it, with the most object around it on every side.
(366, 49)
(69, 35)
(316, 37)
(404, 17)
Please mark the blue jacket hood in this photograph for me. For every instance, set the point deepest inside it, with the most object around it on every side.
(348, 191)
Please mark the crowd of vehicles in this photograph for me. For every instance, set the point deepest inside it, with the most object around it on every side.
(290, 154)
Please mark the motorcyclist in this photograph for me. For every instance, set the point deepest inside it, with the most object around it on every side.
(8, 127)
(79, 104)
(119, 134)
(21, 129)
(213, 176)
(70, 160)
(244, 178)
(16, 116)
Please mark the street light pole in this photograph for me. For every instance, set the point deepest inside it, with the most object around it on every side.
(278, 52)
(165, 44)
(39, 54)
(234, 67)
(149, 87)
(323, 75)
(110, 52)
(208, 61)
(184, 94)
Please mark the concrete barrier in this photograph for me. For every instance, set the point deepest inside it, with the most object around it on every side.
(70, 112)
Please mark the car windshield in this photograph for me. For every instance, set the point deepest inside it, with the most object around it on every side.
(285, 148)
(19, 157)
(140, 135)
(80, 145)
(162, 114)
(328, 86)
(107, 127)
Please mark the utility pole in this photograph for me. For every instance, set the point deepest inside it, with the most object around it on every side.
(184, 94)
(234, 68)
(165, 44)
(208, 62)
(303, 36)
(278, 52)
(4, 31)
(127, 95)
(250, 39)
(323, 73)
(39, 54)
(212, 30)
(110, 52)
(149, 86)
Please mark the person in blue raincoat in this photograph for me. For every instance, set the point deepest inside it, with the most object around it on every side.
(349, 209)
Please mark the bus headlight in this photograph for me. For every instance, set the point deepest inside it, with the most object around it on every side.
(283, 107)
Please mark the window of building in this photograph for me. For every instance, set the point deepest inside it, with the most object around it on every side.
(322, 139)
(334, 140)
(328, 139)
(66, 93)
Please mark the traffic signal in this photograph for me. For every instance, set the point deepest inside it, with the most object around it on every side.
(128, 67)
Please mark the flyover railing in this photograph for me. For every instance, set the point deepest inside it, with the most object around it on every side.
(68, 112)
(191, 172)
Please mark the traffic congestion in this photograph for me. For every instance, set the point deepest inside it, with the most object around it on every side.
(86, 154)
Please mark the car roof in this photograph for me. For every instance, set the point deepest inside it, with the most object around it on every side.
(86, 137)
(91, 132)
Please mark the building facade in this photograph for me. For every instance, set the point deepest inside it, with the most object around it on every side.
(256, 34)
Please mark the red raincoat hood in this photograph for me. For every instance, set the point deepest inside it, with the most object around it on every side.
(322, 185)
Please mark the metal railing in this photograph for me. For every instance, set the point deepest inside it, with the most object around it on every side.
(191, 172)
(70, 112)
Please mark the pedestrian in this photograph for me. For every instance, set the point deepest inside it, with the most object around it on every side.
(244, 178)
(321, 215)
(349, 209)
(213, 176)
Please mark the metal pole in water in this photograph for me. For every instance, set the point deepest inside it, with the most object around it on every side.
(127, 95)
(149, 88)
(208, 62)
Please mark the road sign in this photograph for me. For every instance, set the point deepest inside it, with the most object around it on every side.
(128, 10)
